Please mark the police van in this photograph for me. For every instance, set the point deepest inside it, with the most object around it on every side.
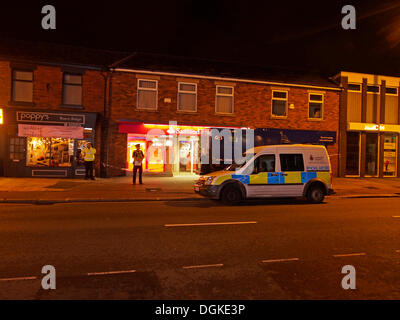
(274, 171)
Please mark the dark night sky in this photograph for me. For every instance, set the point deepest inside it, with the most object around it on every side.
(287, 33)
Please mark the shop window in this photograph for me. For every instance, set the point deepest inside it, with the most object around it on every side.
(187, 96)
(147, 94)
(224, 100)
(49, 152)
(353, 154)
(291, 162)
(390, 155)
(315, 106)
(279, 103)
(17, 148)
(22, 86)
(72, 89)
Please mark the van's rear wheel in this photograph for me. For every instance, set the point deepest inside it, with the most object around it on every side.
(315, 194)
(231, 195)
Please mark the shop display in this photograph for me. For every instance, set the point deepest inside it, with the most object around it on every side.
(49, 152)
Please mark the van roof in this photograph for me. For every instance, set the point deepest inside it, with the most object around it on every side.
(259, 149)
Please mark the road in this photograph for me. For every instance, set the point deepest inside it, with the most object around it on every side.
(202, 250)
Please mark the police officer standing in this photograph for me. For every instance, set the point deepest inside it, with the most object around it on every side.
(88, 154)
(138, 157)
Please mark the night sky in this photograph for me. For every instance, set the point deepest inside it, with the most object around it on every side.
(299, 34)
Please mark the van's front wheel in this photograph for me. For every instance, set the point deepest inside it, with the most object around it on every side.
(231, 195)
(315, 194)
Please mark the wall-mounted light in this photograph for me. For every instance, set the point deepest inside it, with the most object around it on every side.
(1, 116)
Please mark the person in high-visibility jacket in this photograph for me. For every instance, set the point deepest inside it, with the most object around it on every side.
(88, 154)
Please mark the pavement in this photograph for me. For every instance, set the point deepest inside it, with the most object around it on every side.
(120, 189)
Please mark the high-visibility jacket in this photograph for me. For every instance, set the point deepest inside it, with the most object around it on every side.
(88, 154)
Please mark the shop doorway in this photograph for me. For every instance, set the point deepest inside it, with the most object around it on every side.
(371, 154)
(188, 154)
(390, 155)
(353, 154)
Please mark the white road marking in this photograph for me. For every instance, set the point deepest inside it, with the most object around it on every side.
(280, 260)
(109, 272)
(209, 224)
(19, 279)
(349, 255)
(204, 266)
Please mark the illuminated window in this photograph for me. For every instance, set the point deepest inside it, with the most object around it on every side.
(22, 86)
(224, 100)
(279, 103)
(187, 96)
(315, 106)
(147, 94)
(49, 152)
(72, 89)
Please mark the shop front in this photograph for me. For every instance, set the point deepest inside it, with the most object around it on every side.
(44, 143)
(372, 150)
(169, 149)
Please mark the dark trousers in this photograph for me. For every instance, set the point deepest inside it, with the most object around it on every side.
(89, 170)
(137, 168)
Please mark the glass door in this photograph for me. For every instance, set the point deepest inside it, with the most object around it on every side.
(371, 154)
(353, 154)
(390, 155)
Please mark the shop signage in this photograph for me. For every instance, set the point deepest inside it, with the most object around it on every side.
(43, 117)
(27, 130)
(356, 126)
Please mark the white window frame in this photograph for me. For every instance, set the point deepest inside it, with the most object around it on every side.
(225, 95)
(392, 94)
(190, 92)
(357, 91)
(316, 101)
(146, 89)
(280, 99)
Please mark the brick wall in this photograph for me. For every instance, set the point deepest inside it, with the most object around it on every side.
(252, 108)
(47, 93)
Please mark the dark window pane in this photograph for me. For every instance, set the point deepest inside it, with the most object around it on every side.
(391, 90)
(23, 75)
(72, 94)
(354, 87)
(374, 89)
(265, 163)
(147, 84)
(316, 97)
(225, 90)
(72, 78)
(315, 110)
(291, 162)
(280, 94)
(279, 108)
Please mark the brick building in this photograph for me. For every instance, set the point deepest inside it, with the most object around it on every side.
(148, 92)
(52, 100)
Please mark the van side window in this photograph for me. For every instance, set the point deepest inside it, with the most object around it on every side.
(292, 162)
(265, 163)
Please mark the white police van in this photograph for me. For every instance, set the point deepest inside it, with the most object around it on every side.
(274, 171)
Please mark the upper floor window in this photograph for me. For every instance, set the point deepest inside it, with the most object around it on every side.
(224, 100)
(354, 87)
(315, 105)
(147, 94)
(187, 96)
(279, 103)
(22, 85)
(372, 89)
(391, 91)
(72, 89)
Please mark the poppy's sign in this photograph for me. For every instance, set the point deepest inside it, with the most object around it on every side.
(44, 117)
